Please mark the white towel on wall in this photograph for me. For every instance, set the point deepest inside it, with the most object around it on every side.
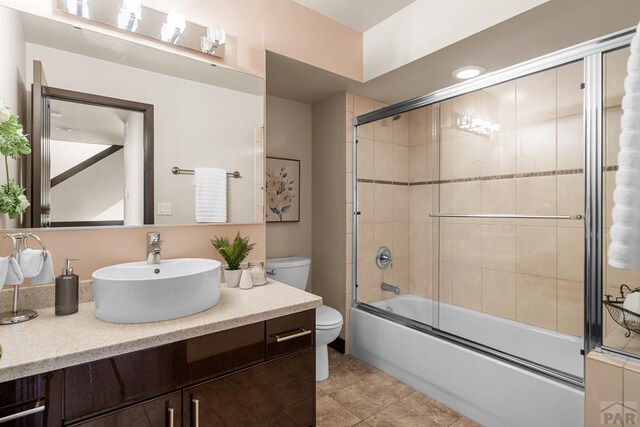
(211, 195)
(624, 249)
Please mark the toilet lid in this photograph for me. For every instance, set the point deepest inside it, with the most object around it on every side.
(327, 317)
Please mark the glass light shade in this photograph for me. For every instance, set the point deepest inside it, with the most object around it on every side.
(217, 35)
(177, 20)
(127, 21)
(132, 7)
(78, 7)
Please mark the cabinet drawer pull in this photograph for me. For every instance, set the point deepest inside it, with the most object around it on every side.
(196, 412)
(170, 410)
(303, 332)
(22, 414)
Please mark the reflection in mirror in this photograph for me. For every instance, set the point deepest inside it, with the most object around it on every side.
(82, 95)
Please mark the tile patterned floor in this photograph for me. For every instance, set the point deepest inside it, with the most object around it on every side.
(357, 394)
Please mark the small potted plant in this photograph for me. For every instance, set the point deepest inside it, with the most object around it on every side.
(13, 144)
(233, 253)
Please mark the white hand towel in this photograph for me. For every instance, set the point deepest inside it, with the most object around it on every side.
(624, 250)
(46, 275)
(4, 267)
(210, 195)
(31, 262)
(14, 273)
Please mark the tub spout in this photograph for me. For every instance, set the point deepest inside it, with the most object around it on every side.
(390, 288)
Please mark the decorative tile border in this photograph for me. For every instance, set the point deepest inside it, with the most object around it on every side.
(482, 178)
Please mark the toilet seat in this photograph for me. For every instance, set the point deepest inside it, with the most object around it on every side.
(327, 318)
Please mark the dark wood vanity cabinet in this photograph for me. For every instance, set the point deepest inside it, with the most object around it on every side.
(258, 374)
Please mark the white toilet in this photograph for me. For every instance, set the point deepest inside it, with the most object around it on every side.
(294, 271)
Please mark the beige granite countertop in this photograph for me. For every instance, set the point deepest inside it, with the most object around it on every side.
(50, 342)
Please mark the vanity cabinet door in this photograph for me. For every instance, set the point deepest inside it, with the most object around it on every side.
(32, 401)
(165, 411)
(281, 392)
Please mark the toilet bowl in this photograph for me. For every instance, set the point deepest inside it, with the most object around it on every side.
(294, 271)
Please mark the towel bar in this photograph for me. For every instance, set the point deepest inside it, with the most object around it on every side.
(574, 217)
(177, 171)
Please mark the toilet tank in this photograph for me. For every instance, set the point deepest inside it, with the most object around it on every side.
(293, 271)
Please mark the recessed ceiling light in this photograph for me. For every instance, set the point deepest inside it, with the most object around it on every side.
(468, 72)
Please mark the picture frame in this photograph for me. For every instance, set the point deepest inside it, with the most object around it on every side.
(282, 187)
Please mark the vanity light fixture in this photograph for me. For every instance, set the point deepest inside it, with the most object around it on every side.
(215, 37)
(173, 28)
(470, 72)
(78, 7)
(130, 14)
(477, 125)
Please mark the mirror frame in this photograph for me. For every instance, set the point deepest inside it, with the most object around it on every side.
(40, 149)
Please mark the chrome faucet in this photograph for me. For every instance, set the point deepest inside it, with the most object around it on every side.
(390, 288)
(154, 247)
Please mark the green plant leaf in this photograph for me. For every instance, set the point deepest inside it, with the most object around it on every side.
(233, 253)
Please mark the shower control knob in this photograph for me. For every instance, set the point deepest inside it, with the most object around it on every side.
(383, 257)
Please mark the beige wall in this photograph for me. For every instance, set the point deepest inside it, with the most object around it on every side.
(252, 26)
(288, 128)
(329, 195)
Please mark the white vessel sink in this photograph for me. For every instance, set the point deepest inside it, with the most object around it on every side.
(138, 292)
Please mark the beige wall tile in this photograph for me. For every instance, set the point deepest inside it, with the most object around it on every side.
(445, 244)
(383, 161)
(499, 104)
(383, 236)
(366, 162)
(446, 120)
(400, 240)
(445, 283)
(400, 163)
(365, 289)
(570, 308)
(349, 187)
(499, 247)
(499, 293)
(365, 243)
(418, 126)
(349, 127)
(467, 287)
(418, 163)
(467, 244)
(400, 270)
(570, 198)
(366, 202)
(499, 196)
(419, 277)
(609, 185)
(569, 99)
(466, 199)
(362, 105)
(536, 251)
(383, 130)
(349, 156)
(536, 196)
(400, 199)
(348, 251)
(466, 105)
(615, 71)
(570, 254)
(604, 383)
(349, 220)
(383, 211)
(348, 281)
(400, 129)
(612, 129)
(631, 393)
(498, 152)
(570, 142)
(366, 131)
(536, 147)
(465, 155)
(419, 202)
(536, 301)
(419, 242)
(536, 97)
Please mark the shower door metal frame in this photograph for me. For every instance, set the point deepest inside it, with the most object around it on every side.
(591, 54)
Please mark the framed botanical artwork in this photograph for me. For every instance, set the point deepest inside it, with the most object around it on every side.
(282, 185)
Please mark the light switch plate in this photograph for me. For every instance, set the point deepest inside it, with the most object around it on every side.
(164, 208)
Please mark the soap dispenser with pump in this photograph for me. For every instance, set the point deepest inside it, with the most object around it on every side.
(67, 290)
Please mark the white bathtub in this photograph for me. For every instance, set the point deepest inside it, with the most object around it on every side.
(483, 388)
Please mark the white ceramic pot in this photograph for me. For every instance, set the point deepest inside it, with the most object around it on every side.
(245, 280)
(232, 277)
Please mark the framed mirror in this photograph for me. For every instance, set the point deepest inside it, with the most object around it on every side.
(124, 134)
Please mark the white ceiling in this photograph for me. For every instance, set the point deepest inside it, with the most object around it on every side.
(358, 14)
